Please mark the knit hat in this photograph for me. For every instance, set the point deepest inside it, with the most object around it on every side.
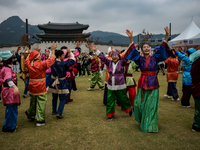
(5, 55)
(193, 57)
(191, 50)
(33, 55)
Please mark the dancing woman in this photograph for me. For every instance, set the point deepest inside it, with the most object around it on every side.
(147, 99)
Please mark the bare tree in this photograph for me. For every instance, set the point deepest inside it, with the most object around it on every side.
(25, 41)
(146, 37)
(90, 41)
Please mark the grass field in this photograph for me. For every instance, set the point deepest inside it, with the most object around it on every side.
(85, 125)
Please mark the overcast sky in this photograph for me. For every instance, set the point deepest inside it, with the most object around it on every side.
(107, 15)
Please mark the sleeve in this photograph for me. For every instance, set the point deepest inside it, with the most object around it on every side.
(166, 61)
(182, 56)
(103, 58)
(122, 54)
(133, 65)
(10, 83)
(163, 52)
(133, 54)
(69, 62)
(27, 63)
(17, 55)
(49, 62)
(7, 74)
(77, 52)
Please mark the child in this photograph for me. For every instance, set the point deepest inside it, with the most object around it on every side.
(37, 85)
(10, 92)
(96, 77)
(172, 77)
(59, 86)
(116, 83)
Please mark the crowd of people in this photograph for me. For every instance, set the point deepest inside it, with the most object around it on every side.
(56, 70)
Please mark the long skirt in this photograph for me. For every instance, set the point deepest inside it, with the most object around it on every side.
(187, 92)
(196, 123)
(10, 119)
(146, 111)
(172, 90)
(123, 99)
(37, 107)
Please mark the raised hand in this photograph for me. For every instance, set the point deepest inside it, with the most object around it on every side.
(136, 45)
(68, 50)
(129, 33)
(53, 47)
(78, 44)
(167, 30)
(93, 47)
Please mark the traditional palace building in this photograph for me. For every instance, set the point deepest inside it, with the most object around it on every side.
(63, 31)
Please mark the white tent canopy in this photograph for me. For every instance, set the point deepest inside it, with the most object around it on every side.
(191, 31)
(196, 37)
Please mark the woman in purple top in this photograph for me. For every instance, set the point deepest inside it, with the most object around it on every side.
(116, 83)
(147, 99)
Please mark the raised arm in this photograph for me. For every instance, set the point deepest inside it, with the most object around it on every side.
(164, 51)
(77, 50)
(181, 55)
(130, 35)
(100, 55)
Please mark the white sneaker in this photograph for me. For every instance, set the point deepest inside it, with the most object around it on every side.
(40, 124)
(83, 76)
(167, 96)
(89, 76)
(178, 99)
(89, 79)
(172, 99)
(186, 106)
(90, 89)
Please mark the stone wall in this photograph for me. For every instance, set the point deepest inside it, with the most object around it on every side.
(71, 45)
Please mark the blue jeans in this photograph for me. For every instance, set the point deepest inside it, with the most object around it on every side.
(61, 104)
(26, 86)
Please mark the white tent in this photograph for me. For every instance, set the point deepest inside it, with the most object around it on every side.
(191, 31)
(184, 39)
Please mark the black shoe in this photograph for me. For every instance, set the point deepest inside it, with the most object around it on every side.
(111, 118)
(59, 116)
(131, 112)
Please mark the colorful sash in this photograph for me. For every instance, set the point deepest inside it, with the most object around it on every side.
(141, 80)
